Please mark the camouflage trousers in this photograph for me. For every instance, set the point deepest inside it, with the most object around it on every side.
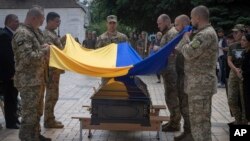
(236, 98)
(171, 96)
(200, 115)
(32, 109)
(52, 94)
(183, 101)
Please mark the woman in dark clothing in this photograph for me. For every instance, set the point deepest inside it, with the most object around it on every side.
(245, 43)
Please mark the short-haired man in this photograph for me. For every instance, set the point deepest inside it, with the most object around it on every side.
(52, 85)
(180, 22)
(111, 35)
(30, 54)
(7, 70)
(200, 53)
(169, 75)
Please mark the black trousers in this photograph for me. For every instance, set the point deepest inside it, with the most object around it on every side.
(10, 103)
(246, 89)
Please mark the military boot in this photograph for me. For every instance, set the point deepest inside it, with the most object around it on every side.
(168, 127)
(53, 124)
(58, 122)
(187, 137)
(42, 138)
(181, 136)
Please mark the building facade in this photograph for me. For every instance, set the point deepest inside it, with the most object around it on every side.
(71, 12)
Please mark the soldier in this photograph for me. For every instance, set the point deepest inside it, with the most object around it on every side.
(52, 85)
(200, 53)
(111, 35)
(169, 75)
(30, 54)
(180, 22)
(235, 85)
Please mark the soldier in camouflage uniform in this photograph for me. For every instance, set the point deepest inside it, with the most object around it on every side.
(30, 55)
(52, 86)
(235, 83)
(112, 35)
(169, 75)
(200, 53)
(180, 22)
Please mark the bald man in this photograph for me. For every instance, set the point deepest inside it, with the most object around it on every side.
(30, 62)
(200, 54)
(180, 22)
(169, 76)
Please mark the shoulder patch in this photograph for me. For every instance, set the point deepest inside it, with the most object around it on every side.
(20, 43)
(195, 43)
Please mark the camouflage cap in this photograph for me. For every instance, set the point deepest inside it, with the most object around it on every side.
(111, 18)
(239, 27)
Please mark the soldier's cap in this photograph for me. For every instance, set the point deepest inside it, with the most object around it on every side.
(239, 27)
(111, 18)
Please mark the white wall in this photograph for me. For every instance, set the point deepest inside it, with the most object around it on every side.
(72, 19)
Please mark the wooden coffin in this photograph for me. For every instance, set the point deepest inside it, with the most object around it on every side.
(123, 100)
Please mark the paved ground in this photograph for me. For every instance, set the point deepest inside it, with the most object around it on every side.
(75, 91)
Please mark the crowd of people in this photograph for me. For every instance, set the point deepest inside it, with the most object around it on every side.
(189, 80)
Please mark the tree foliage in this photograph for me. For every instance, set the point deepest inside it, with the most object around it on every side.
(142, 14)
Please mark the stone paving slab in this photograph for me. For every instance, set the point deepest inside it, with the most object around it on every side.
(76, 90)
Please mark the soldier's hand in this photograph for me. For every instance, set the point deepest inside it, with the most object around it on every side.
(238, 73)
(45, 46)
(49, 43)
(63, 38)
(156, 48)
(187, 35)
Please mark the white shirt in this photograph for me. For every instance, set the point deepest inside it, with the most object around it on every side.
(10, 29)
(221, 53)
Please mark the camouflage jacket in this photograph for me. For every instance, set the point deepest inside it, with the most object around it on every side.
(168, 36)
(107, 38)
(51, 37)
(200, 61)
(30, 57)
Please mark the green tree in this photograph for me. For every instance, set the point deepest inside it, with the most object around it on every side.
(142, 15)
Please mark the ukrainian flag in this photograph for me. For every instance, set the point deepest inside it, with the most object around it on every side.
(113, 60)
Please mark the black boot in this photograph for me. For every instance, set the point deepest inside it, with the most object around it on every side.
(181, 136)
(42, 138)
(184, 137)
(168, 127)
